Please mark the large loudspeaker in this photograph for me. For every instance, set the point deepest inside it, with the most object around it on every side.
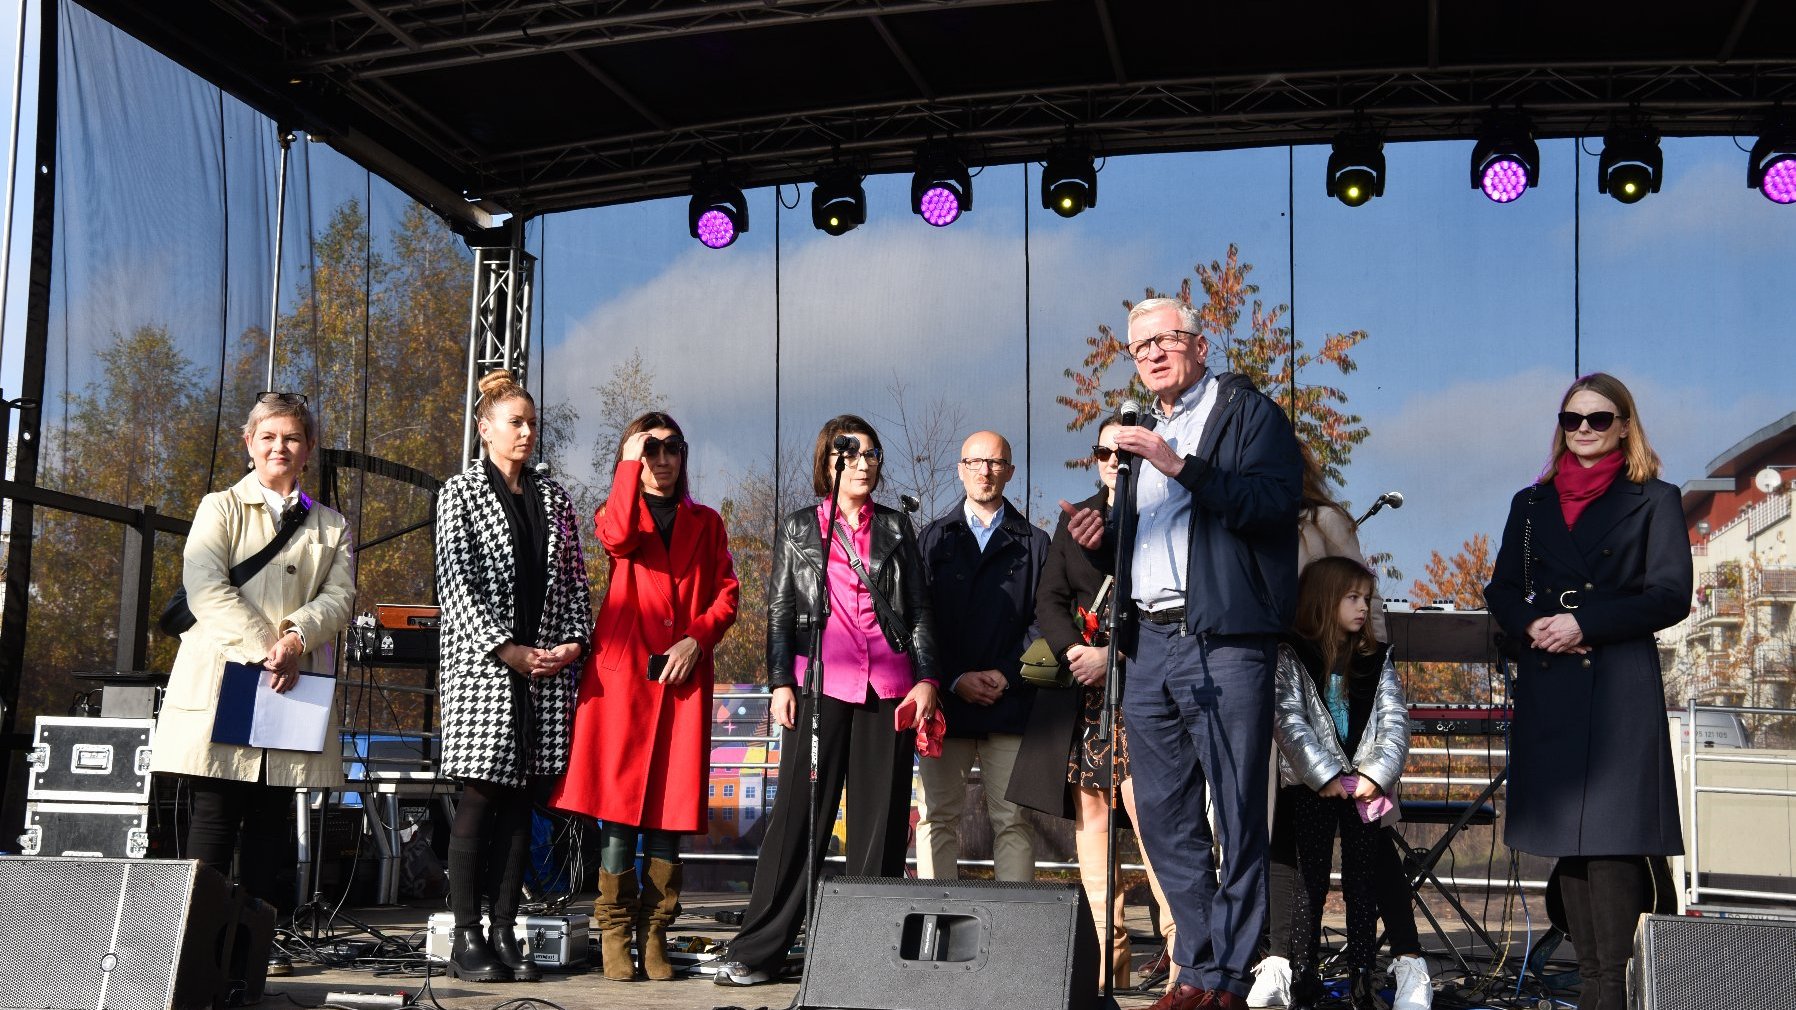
(119, 934)
(1696, 963)
(889, 943)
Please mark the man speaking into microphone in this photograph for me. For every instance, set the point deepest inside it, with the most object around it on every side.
(1208, 530)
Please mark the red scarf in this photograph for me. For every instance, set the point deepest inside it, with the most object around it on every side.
(1580, 485)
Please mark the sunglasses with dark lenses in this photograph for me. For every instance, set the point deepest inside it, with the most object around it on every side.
(1599, 420)
(1102, 453)
(291, 399)
(675, 446)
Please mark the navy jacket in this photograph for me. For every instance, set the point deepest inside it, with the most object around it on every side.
(1246, 481)
(984, 604)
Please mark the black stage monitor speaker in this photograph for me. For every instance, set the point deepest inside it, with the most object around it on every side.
(890, 943)
(114, 934)
(1698, 963)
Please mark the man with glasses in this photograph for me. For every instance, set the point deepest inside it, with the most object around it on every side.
(983, 559)
(1210, 517)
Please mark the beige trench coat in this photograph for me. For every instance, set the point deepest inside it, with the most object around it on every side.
(309, 585)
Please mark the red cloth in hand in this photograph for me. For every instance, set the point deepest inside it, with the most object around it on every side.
(929, 734)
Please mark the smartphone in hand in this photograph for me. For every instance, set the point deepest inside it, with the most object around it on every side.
(657, 664)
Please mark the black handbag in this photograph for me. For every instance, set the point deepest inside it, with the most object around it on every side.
(177, 618)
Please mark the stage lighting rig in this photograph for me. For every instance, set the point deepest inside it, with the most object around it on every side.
(1069, 181)
(1772, 168)
(1356, 167)
(718, 211)
(942, 189)
(1505, 161)
(838, 202)
(1631, 164)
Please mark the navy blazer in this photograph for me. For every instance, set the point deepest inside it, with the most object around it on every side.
(984, 604)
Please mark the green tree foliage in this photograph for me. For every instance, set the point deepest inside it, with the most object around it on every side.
(1266, 353)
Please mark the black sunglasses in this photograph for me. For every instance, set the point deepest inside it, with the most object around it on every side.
(675, 446)
(1599, 420)
(291, 399)
(1102, 453)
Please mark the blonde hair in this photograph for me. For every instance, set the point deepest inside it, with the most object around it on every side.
(496, 387)
(1641, 463)
(281, 405)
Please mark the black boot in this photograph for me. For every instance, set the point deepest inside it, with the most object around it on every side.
(471, 959)
(504, 939)
(1306, 988)
(1362, 991)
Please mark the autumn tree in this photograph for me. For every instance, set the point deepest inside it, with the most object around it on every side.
(922, 447)
(1267, 353)
(1458, 580)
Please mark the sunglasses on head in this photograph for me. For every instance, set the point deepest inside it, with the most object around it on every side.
(1599, 420)
(675, 446)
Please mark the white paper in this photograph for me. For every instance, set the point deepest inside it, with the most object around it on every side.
(296, 720)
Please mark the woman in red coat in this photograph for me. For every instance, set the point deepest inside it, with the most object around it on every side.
(640, 761)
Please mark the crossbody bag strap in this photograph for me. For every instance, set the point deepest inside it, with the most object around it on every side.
(1528, 547)
(291, 521)
(880, 606)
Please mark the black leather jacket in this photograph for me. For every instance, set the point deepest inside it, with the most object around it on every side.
(896, 567)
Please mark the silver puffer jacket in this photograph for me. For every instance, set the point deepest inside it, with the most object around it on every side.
(1310, 753)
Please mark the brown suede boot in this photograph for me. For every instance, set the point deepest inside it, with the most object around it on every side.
(1090, 847)
(660, 906)
(613, 913)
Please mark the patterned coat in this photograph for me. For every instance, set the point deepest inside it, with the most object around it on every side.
(483, 736)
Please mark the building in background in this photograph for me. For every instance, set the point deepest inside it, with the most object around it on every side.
(1738, 646)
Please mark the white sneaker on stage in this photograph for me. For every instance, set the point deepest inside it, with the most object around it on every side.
(1415, 989)
(1272, 983)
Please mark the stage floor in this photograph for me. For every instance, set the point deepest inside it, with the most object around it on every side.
(313, 986)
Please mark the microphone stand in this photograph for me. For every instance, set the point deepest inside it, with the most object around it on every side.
(1379, 504)
(813, 697)
(1123, 552)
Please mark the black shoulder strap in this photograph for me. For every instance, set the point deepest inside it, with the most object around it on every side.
(880, 606)
(291, 521)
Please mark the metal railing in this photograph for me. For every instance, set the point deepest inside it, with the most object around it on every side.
(1695, 755)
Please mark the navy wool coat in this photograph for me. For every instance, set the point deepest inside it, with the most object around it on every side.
(1590, 767)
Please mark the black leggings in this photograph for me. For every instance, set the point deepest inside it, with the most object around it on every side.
(489, 850)
(1389, 885)
(224, 809)
(1317, 820)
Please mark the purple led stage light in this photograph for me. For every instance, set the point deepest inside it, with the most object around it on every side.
(1780, 181)
(1505, 179)
(941, 207)
(715, 229)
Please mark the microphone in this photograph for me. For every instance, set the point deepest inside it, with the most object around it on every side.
(1129, 413)
(1392, 498)
(845, 443)
(909, 503)
(542, 468)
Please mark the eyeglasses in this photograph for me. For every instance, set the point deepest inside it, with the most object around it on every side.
(291, 399)
(988, 465)
(1599, 420)
(1102, 453)
(675, 446)
(1170, 340)
(872, 457)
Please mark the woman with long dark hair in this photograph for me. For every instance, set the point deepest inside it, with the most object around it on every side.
(1595, 559)
(517, 613)
(642, 724)
(879, 659)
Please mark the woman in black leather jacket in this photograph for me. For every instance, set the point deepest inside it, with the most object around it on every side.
(879, 657)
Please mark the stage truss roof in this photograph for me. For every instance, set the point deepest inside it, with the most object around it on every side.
(531, 106)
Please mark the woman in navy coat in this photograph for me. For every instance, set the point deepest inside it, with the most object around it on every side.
(1595, 559)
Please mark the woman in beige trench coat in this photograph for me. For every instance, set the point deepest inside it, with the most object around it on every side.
(283, 619)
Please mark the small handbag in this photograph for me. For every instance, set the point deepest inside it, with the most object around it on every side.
(177, 618)
(1041, 667)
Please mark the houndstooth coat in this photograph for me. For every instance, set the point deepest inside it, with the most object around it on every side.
(483, 737)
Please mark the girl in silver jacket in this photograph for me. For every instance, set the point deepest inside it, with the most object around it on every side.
(1337, 695)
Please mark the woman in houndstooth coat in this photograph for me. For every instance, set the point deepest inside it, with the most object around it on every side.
(517, 613)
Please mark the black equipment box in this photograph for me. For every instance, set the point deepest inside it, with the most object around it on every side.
(370, 645)
(107, 830)
(91, 760)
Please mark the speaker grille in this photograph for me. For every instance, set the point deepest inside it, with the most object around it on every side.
(1689, 962)
(81, 934)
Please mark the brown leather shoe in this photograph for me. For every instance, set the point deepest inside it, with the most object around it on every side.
(1222, 999)
(1184, 996)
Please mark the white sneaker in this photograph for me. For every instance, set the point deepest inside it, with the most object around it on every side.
(1415, 990)
(1272, 983)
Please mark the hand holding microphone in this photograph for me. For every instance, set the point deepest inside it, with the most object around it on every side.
(1133, 441)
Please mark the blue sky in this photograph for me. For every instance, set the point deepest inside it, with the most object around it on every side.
(1470, 306)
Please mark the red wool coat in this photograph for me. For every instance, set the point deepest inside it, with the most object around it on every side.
(641, 751)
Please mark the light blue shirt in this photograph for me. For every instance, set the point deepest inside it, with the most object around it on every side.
(1163, 506)
(981, 532)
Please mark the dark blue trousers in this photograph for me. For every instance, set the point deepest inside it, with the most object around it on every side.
(1199, 712)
